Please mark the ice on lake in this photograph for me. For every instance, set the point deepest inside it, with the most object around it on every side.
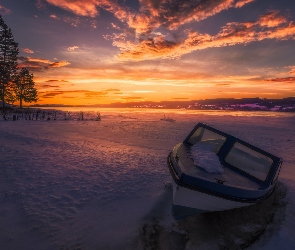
(85, 184)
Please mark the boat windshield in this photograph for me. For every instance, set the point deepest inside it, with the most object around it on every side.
(207, 136)
(204, 141)
(249, 161)
(205, 145)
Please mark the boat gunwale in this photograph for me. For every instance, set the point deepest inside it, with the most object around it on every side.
(216, 188)
(227, 146)
(182, 182)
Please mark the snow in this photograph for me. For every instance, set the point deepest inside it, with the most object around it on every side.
(204, 157)
(252, 105)
(86, 184)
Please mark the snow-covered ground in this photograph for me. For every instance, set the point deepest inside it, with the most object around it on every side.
(86, 184)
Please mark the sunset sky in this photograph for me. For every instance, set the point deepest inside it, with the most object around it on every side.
(106, 51)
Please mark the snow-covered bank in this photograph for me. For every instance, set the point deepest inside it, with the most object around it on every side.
(105, 185)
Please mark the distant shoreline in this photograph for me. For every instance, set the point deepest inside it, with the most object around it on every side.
(244, 104)
(90, 108)
(245, 109)
(224, 104)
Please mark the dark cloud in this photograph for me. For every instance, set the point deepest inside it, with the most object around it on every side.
(283, 79)
(50, 94)
(174, 13)
(54, 80)
(132, 98)
(152, 14)
(150, 48)
(112, 90)
(91, 94)
(40, 4)
(86, 93)
(50, 86)
(39, 64)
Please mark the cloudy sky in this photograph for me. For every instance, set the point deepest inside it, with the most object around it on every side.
(105, 51)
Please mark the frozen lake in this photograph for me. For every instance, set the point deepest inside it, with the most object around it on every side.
(85, 184)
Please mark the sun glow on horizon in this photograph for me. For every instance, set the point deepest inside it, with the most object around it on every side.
(105, 52)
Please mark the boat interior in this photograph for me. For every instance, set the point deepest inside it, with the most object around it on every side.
(215, 156)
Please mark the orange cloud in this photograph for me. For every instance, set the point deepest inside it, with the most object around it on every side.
(152, 5)
(271, 19)
(4, 11)
(82, 8)
(39, 64)
(40, 4)
(93, 24)
(115, 26)
(169, 13)
(292, 69)
(241, 3)
(229, 35)
(149, 49)
(58, 64)
(72, 48)
(53, 16)
(152, 13)
(27, 50)
(282, 33)
(140, 40)
(194, 11)
(74, 21)
(38, 60)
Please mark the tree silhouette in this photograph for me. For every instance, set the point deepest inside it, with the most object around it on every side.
(8, 61)
(24, 87)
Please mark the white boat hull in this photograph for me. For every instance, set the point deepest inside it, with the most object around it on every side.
(215, 171)
(198, 202)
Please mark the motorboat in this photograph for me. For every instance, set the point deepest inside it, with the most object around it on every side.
(167, 119)
(214, 171)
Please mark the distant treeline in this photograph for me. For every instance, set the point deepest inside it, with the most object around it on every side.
(201, 104)
(15, 114)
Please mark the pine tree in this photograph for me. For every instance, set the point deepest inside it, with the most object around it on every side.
(24, 87)
(8, 61)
